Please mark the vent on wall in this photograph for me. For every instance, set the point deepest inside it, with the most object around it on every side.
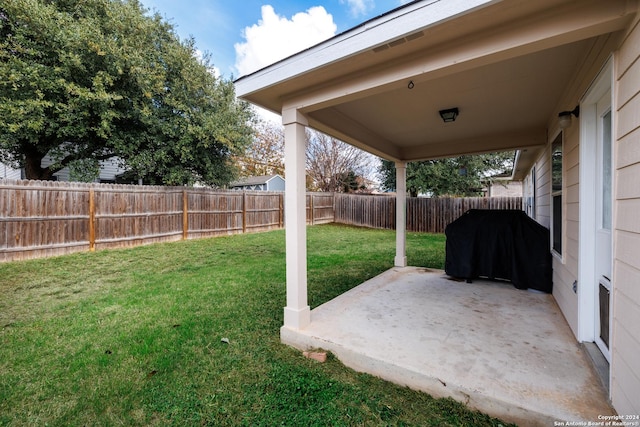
(398, 42)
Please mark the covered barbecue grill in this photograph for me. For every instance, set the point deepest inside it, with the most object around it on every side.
(499, 244)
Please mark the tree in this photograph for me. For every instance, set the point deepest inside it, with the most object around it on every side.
(265, 156)
(350, 182)
(333, 165)
(86, 80)
(456, 176)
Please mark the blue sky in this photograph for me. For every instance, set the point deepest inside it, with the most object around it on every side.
(245, 35)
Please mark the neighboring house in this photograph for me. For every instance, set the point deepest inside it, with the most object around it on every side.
(7, 172)
(109, 170)
(504, 189)
(558, 80)
(367, 186)
(259, 183)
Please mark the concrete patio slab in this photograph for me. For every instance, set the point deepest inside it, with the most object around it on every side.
(506, 352)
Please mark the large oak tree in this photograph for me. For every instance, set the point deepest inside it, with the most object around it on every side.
(86, 80)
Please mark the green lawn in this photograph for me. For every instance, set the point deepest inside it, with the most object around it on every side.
(133, 337)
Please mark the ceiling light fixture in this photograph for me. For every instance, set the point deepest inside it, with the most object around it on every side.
(449, 115)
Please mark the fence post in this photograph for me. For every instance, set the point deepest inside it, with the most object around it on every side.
(333, 206)
(244, 212)
(281, 208)
(185, 215)
(92, 220)
(311, 208)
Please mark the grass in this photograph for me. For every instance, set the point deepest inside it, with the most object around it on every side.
(134, 337)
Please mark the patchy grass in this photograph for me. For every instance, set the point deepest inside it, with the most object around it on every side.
(134, 337)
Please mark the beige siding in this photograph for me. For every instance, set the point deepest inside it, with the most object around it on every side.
(628, 215)
(629, 149)
(625, 364)
(566, 269)
(624, 378)
(626, 85)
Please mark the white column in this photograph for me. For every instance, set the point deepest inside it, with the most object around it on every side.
(401, 214)
(297, 313)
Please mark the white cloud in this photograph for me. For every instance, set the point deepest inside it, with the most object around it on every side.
(359, 7)
(276, 37)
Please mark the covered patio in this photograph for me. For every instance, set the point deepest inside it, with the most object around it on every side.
(508, 68)
(503, 351)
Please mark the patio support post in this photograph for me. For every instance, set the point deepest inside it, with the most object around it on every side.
(401, 214)
(297, 313)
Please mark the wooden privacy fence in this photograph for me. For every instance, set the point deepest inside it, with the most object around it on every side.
(423, 214)
(44, 218)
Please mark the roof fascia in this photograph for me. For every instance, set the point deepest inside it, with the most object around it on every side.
(378, 31)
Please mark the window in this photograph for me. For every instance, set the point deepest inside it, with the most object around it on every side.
(531, 194)
(556, 194)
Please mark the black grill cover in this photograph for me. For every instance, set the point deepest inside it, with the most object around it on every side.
(499, 244)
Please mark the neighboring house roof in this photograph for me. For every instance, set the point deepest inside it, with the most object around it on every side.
(254, 180)
(381, 85)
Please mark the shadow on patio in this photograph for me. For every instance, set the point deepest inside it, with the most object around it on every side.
(506, 352)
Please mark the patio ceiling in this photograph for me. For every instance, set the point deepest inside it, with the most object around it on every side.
(504, 64)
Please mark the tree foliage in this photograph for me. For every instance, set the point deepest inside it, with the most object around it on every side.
(86, 80)
(265, 155)
(333, 165)
(456, 176)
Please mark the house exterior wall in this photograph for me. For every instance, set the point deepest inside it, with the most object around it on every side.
(253, 187)
(505, 189)
(625, 363)
(543, 188)
(7, 172)
(625, 341)
(109, 169)
(528, 194)
(266, 183)
(275, 184)
(565, 265)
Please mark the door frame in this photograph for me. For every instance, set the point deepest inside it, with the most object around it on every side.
(604, 269)
(587, 280)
